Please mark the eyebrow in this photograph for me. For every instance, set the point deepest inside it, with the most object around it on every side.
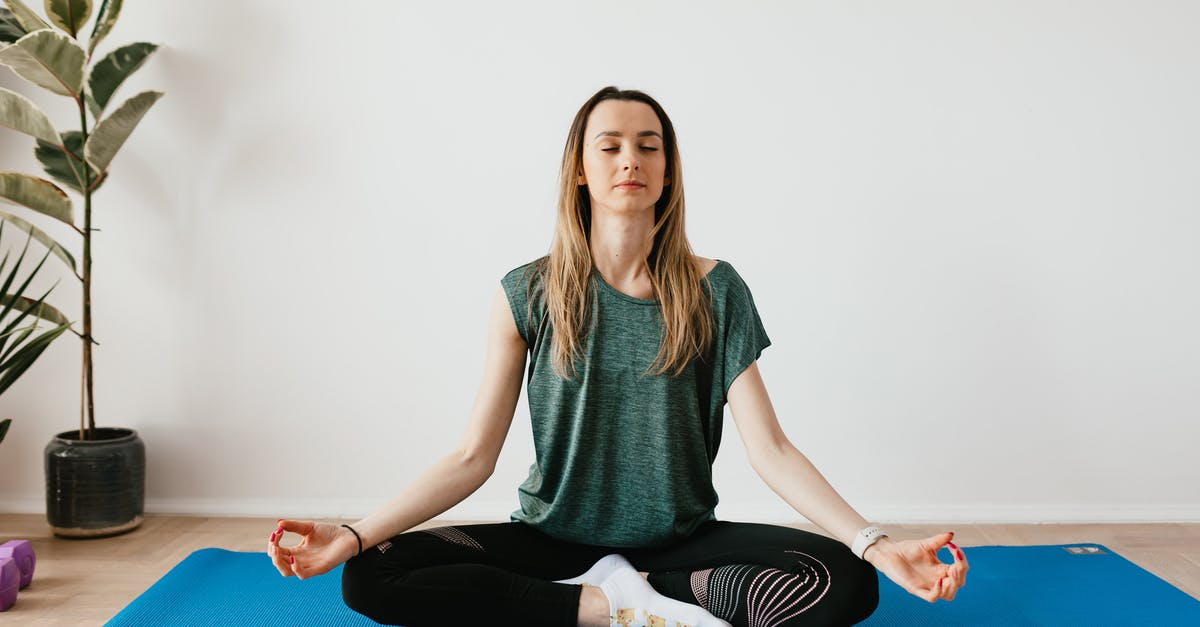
(618, 134)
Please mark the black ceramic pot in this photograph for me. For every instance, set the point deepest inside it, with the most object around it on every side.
(95, 488)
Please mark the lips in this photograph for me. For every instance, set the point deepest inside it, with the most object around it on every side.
(631, 185)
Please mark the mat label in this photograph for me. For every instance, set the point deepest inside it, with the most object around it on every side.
(1083, 550)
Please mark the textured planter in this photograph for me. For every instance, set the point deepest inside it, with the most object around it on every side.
(95, 488)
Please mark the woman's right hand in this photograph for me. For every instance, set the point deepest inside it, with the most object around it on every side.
(322, 547)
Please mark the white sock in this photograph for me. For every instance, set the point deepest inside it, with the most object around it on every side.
(632, 601)
(600, 571)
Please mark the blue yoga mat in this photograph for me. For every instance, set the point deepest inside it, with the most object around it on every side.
(1064, 584)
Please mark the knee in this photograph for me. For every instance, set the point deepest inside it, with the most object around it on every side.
(860, 595)
(360, 584)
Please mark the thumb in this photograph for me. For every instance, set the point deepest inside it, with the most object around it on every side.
(940, 540)
(302, 527)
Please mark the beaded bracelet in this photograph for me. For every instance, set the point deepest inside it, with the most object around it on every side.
(356, 536)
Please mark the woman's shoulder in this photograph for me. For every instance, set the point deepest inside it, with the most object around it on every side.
(528, 267)
(705, 264)
(722, 276)
(525, 275)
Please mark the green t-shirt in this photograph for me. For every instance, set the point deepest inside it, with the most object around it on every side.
(625, 460)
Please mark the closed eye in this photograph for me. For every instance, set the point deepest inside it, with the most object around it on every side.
(643, 148)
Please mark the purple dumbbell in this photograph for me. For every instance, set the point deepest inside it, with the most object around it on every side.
(10, 580)
(21, 552)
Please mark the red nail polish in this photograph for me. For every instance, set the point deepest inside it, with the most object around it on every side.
(960, 555)
(292, 559)
(951, 545)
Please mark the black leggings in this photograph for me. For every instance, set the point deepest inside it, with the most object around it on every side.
(504, 574)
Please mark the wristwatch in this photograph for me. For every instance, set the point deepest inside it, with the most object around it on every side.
(865, 538)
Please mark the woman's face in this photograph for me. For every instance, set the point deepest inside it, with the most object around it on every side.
(623, 140)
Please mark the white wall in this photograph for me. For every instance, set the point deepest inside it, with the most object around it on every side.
(970, 228)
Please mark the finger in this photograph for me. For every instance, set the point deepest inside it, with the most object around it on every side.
(281, 560)
(302, 527)
(949, 588)
(957, 575)
(960, 561)
(271, 547)
(934, 593)
(939, 541)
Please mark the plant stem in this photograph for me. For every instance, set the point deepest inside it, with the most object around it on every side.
(87, 277)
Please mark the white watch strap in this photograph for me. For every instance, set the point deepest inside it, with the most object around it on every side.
(865, 538)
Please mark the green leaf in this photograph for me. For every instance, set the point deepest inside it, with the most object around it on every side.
(20, 114)
(110, 134)
(8, 304)
(48, 59)
(16, 365)
(38, 194)
(67, 167)
(20, 330)
(41, 236)
(10, 28)
(69, 15)
(25, 16)
(106, 18)
(108, 73)
(34, 308)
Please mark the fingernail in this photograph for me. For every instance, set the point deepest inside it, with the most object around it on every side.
(292, 559)
(272, 537)
(951, 545)
(960, 555)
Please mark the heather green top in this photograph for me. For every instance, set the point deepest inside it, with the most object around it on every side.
(625, 460)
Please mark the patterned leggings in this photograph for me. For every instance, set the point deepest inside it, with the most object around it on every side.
(505, 574)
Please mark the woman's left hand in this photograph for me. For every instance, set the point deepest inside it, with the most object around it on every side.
(914, 566)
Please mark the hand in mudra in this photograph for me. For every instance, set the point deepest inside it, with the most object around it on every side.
(914, 566)
(322, 547)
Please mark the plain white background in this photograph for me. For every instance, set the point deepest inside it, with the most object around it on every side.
(970, 228)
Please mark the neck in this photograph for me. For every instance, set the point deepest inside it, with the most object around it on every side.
(620, 244)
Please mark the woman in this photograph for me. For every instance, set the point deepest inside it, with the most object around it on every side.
(635, 345)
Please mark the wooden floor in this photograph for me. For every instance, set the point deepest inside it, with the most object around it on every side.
(86, 582)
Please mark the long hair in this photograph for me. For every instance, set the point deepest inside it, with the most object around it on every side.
(567, 284)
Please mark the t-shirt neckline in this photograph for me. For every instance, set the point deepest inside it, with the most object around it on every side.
(641, 301)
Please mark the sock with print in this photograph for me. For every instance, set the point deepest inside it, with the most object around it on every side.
(599, 571)
(633, 602)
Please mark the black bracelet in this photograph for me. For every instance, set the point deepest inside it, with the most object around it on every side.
(357, 537)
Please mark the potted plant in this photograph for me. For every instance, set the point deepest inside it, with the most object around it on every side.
(95, 478)
(18, 350)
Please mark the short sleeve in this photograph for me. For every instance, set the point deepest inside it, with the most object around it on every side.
(744, 336)
(516, 288)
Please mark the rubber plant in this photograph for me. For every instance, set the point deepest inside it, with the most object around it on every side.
(61, 62)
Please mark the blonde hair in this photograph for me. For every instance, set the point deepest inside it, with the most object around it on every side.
(566, 273)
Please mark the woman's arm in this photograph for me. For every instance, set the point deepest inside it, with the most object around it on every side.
(465, 469)
(784, 468)
(913, 564)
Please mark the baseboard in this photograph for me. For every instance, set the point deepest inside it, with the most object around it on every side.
(771, 512)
